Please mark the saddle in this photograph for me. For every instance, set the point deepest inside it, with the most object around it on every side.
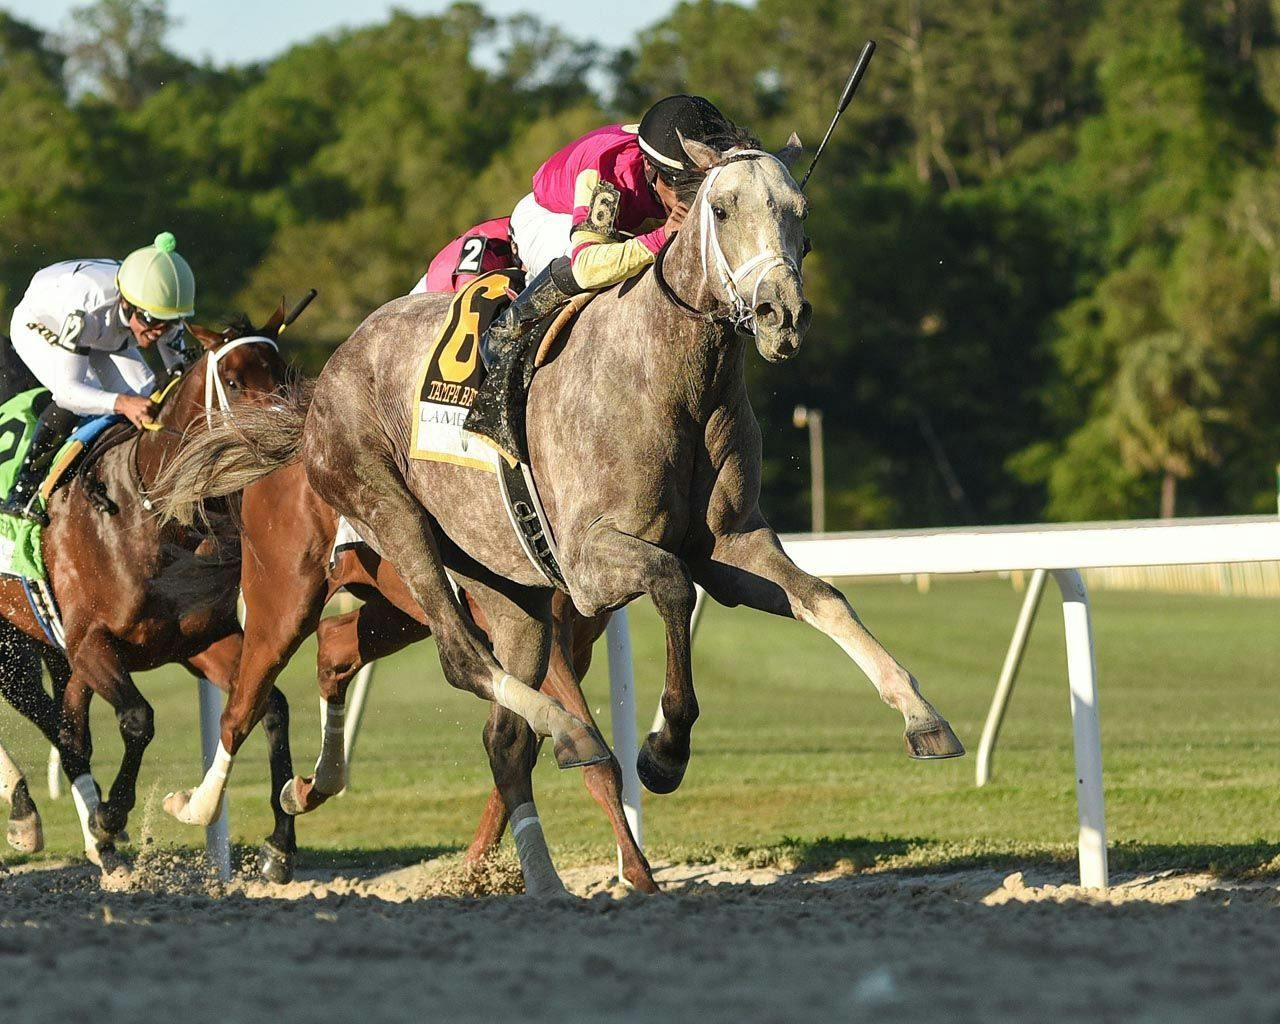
(18, 418)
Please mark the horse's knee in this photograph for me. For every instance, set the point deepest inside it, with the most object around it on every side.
(526, 652)
(820, 605)
(673, 594)
(462, 657)
(337, 657)
(137, 724)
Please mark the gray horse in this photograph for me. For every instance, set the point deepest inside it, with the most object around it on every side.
(647, 457)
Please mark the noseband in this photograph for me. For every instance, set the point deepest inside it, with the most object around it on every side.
(740, 312)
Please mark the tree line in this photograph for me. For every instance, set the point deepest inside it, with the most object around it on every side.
(1046, 239)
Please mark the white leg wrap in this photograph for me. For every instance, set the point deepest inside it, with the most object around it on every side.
(84, 794)
(534, 707)
(540, 878)
(204, 804)
(10, 776)
(331, 765)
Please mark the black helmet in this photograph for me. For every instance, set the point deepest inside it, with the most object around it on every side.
(694, 117)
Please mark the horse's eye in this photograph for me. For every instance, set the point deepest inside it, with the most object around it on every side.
(233, 383)
(720, 212)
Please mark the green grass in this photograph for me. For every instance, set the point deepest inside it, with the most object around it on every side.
(795, 759)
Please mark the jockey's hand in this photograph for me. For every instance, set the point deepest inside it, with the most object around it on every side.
(137, 410)
(676, 217)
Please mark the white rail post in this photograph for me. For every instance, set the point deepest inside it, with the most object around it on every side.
(1082, 675)
(217, 837)
(622, 698)
(1008, 676)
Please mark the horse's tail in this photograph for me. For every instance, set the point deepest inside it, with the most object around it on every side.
(237, 450)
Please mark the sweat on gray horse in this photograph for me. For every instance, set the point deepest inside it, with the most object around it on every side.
(647, 457)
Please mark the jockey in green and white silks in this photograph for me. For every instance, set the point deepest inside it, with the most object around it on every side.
(82, 329)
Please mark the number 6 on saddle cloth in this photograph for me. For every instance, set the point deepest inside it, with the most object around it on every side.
(452, 374)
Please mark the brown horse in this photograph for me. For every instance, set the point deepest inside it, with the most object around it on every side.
(287, 534)
(647, 455)
(134, 594)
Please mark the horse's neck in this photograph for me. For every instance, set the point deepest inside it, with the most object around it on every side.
(178, 413)
(687, 361)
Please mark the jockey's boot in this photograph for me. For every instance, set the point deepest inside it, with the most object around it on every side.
(52, 430)
(498, 411)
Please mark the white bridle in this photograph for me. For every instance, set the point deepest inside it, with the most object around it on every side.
(743, 314)
(213, 386)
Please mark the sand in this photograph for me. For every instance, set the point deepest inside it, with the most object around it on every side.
(723, 943)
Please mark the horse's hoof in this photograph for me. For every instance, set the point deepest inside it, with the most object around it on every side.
(580, 746)
(300, 796)
(640, 879)
(275, 864)
(116, 874)
(26, 835)
(103, 826)
(657, 773)
(179, 805)
(933, 744)
(107, 857)
(548, 890)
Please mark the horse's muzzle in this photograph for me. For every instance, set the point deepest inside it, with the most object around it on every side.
(782, 316)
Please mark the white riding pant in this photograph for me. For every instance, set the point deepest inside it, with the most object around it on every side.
(540, 235)
(85, 384)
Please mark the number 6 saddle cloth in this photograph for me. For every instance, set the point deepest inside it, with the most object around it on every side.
(451, 375)
(453, 371)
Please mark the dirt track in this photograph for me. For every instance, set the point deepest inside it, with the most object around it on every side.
(720, 945)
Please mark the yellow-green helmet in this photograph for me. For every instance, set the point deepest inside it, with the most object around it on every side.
(156, 279)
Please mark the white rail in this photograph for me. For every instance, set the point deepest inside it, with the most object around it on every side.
(1063, 551)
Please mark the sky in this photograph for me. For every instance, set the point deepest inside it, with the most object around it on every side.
(248, 30)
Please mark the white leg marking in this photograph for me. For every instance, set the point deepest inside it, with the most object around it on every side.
(540, 878)
(84, 794)
(202, 805)
(10, 776)
(535, 708)
(331, 765)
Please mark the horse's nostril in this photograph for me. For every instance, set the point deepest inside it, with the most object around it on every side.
(766, 312)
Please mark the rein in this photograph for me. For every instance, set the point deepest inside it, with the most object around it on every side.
(738, 312)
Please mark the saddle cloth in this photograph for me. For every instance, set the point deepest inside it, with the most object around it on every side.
(451, 376)
(452, 372)
(20, 551)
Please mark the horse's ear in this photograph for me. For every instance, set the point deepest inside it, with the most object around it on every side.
(790, 153)
(272, 327)
(208, 339)
(704, 157)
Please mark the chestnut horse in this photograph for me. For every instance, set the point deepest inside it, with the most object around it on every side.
(134, 594)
